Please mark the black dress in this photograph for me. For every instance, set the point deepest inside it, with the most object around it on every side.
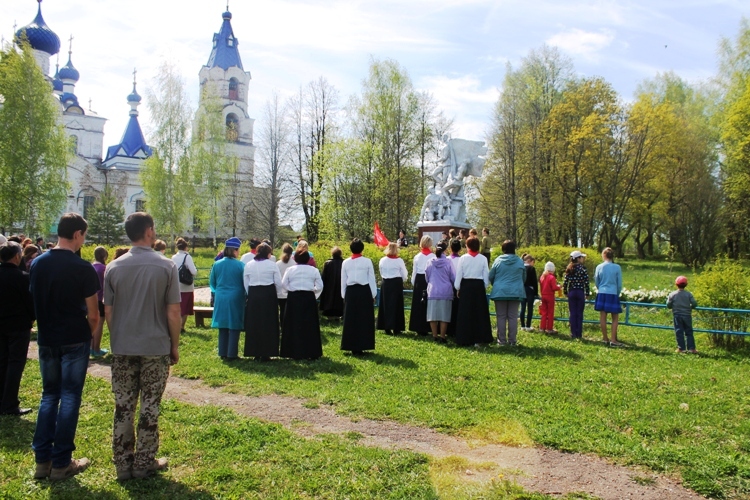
(261, 322)
(331, 303)
(359, 319)
(418, 318)
(473, 318)
(391, 305)
(300, 337)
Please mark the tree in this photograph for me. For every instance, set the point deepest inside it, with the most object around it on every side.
(166, 176)
(106, 218)
(34, 148)
(210, 165)
(313, 113)
(273, 176)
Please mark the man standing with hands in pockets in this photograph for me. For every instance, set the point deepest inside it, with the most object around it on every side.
(142, 309)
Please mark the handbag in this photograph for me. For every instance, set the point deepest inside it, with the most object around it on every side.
(184, 274)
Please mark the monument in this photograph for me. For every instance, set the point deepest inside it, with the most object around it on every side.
(444, 206)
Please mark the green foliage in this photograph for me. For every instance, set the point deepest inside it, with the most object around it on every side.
(166, 175)
(558, 254)
(34, 148)
(723, 283)
(106, 218)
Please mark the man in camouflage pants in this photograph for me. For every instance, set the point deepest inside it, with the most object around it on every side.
(142, 309)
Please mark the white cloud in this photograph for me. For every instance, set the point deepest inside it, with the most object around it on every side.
(578, 42)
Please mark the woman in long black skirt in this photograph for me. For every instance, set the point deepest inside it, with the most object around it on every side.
(455, 248)
(391, 303)
(359, 291)
(331, 303)
(472, 277)
(300, 336)
(418, 318)
(263, 284)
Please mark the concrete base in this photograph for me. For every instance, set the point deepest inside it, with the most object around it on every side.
(434, 229)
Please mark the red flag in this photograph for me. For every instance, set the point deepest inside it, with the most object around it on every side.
(380, 239)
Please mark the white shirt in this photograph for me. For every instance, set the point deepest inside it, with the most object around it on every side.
(358, 271)
(177, 259)
(282, 269)
(454, 263)
(473, 268)
(420, 263)
(247, 257)
(261, 273)
(393, 268)
(302, 278)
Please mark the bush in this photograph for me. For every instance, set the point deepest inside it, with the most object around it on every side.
(723, 284)
(558, 254)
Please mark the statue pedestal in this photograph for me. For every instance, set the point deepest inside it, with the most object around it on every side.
(435, 228)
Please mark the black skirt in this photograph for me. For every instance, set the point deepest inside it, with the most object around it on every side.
(454, 315)
(261, 322)
(359, 319)
(391, 305)
(418, 318)
(300, 337)
(473, 317)
(282, 305)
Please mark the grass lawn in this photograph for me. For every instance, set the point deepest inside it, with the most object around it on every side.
(215, 453)
(645, 405)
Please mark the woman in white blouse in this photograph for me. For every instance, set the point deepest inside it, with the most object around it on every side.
(391, 303)
(418, 318)
(284, 263)
(300, 335)
(262, 281)
(358, 289)
(473, 325)
(187, 298)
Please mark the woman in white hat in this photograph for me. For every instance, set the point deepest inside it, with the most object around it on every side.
(576, 288)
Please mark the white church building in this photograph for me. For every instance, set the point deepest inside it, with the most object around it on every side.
(92, 168)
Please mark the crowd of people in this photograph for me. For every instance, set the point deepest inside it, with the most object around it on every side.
(145, 299)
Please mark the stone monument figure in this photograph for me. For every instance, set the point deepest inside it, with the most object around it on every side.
(459, 158)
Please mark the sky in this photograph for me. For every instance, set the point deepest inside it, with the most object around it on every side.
(456, 49)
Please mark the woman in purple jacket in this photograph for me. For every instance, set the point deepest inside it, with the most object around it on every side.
(440, 277)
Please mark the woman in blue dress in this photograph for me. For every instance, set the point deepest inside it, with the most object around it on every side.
(226, 282)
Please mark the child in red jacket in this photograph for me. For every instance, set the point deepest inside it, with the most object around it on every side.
(548, 286)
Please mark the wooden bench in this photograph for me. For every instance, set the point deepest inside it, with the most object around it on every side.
(202, 313)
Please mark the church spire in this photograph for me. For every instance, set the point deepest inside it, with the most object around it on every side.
(225, 53)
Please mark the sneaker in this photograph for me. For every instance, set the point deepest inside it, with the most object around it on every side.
(43, 470)
(616, 344)
(693, 351)
(680, 351)
(157, 465)
(76, 466)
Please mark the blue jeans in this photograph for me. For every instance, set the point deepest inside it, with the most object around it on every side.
(683, 330)
(63, 374)
(229, 341)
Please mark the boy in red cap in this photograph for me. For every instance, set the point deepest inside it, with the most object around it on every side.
(682, 304)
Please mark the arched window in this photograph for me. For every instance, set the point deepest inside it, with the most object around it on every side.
(234, 91)
(88, 205)
(140, 206)
(233, 129)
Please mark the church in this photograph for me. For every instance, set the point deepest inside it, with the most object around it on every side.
(92, 167)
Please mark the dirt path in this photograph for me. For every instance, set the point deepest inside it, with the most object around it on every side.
(536, 469)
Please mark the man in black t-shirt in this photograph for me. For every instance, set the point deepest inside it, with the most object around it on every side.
(64, 289)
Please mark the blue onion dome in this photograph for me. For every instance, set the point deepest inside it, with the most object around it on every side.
(226, 15)
(68, 72)
(39, 35)
(69, 98)
(134, 97)
(57, 84)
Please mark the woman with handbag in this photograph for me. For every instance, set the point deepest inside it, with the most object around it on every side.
(186, 271)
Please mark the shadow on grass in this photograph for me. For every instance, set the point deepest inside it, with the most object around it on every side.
(72, 488)
(292, 369)
(521, 350)
(16, 433)
(382, 359)
(202, 333)
(158, 486)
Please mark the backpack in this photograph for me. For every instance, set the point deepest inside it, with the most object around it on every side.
(184, 274)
